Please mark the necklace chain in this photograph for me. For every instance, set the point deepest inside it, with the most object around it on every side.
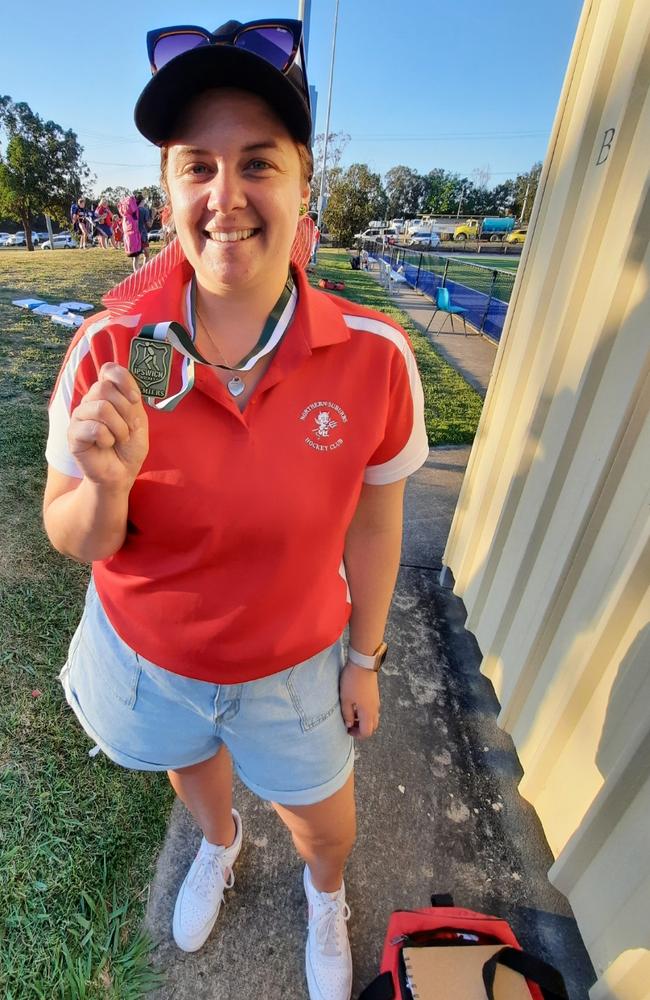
(236, 384)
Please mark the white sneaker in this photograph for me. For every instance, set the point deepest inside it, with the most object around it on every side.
(201, 894)
(328, 959)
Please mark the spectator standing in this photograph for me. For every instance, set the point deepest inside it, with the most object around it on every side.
(80, 222)
(144, 224)
(103, 219)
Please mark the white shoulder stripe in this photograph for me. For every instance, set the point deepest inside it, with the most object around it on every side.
(416, 450)
(56, 452)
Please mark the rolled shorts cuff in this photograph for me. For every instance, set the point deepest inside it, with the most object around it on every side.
(302, 796)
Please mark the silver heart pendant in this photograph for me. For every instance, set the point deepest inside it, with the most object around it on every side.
(236, 386)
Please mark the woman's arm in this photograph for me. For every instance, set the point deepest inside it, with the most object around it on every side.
(108, 438)
(372, 553)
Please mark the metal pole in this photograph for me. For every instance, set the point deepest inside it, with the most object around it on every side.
(327, 123)
(487, 308)
(304, 14)
(460, 202)
(523, 207)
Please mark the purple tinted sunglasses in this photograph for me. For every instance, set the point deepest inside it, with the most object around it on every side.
(278, 42)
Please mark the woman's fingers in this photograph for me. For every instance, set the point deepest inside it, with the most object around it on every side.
(99, 421)
(110, 411)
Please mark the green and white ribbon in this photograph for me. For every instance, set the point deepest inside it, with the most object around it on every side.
(178, 337)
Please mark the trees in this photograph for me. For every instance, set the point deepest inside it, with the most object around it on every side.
(405, 189)
(336, 145)
(356, 195)
(42, 168)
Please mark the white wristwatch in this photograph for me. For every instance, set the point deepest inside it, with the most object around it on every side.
(373, 662)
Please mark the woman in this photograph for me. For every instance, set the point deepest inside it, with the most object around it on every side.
(103, 222)
(242, 515)
(81, 222)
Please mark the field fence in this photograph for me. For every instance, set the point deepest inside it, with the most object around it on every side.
(482, 290)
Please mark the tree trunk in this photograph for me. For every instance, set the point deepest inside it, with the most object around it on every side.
(26, 220)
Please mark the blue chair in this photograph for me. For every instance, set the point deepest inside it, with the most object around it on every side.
(443, 304)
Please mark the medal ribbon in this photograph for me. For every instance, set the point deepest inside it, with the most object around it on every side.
(178, 337)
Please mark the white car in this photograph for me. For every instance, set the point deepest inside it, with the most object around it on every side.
(424, 240)
(20, 240)
(62, 241)
(4, 239)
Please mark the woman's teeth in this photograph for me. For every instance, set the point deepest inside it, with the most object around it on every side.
(239, 234)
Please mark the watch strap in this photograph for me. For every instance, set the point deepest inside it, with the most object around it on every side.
(372, 662)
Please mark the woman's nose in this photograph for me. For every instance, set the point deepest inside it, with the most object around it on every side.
(226, 191)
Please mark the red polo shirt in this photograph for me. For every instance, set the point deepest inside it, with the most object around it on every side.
(232, 567)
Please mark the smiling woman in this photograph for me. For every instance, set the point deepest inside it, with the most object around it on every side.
(229, 448)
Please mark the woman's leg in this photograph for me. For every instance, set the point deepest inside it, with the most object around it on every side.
(323, 834)
(206, 790)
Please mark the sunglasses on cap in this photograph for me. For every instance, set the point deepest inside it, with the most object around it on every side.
(278, 42)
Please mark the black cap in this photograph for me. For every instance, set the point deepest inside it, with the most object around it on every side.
(206, 67)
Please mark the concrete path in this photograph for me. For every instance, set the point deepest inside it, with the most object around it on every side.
(473, 356)
(437, 795)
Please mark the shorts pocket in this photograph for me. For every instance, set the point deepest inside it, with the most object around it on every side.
(313, 687)
(102, 660)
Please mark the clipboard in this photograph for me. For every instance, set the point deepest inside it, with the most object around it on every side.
(455, 973)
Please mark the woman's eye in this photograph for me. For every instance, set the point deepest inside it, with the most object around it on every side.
(259, 165)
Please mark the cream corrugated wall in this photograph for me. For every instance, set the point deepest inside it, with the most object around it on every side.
(550, 541)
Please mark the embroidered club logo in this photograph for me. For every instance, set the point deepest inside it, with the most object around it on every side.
(322, 418)
(324, 424)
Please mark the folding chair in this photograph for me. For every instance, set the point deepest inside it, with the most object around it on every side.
(443, 304)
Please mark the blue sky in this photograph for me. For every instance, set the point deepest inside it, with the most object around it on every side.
(457, 84)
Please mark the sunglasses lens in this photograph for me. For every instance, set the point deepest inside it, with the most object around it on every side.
(273, 44)
(170, 46)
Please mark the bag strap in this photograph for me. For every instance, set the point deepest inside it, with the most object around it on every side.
(529, 966)
(381, 988)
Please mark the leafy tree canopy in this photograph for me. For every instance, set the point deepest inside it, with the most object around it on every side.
(355, 196)
(41, 169)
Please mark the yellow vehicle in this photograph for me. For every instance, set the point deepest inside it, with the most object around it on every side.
(493, 229)
(516, 236)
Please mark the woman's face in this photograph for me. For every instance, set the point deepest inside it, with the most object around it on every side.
(235, 188)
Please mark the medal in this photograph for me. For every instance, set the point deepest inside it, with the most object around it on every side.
(150, 363)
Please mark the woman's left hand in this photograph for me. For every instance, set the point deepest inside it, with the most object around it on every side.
(359, 689)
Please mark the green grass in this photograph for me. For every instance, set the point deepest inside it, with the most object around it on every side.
(452, 407)
(78, 836)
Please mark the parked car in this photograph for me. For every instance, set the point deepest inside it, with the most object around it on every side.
(4, 237)
(19, 239)
(388, 234)
(155, 235)
(62, 241)
(424, 240)
(516, 236)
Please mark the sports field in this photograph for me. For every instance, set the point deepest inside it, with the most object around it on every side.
(498, 261)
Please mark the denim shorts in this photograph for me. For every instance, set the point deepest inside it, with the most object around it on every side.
(285, 732)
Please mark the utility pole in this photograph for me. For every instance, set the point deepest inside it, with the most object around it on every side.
(304, 14)
(460, 202)
(523, 207)
(327, 123)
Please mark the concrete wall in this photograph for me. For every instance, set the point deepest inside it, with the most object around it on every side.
(550, 541)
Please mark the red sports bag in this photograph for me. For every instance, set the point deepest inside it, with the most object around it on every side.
(445, 926)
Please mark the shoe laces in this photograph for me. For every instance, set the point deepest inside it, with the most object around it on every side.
(208, 876)
(329, 921)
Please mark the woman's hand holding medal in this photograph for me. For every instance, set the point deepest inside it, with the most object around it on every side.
(109, 433)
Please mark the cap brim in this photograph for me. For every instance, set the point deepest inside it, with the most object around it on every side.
(166, 96)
